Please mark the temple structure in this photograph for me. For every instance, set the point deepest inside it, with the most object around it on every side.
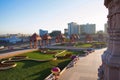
(73, 38)
(88, 38)
(35, 41)
(60, 38)
(46, 40)
(110, 68)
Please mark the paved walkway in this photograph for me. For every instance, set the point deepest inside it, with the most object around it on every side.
(85, 69)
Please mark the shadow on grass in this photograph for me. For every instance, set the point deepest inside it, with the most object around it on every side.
(41, 75)
(28, 64)
(62, 65)
(44, 73)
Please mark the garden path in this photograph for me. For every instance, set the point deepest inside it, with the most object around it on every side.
(86, 68)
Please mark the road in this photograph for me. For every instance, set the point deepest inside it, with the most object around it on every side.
(17, 47)
(86, 67)
(14, 48)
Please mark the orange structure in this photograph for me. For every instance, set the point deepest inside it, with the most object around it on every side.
(74, 37)
(34, 39)
(60, 38)
(89, 38)
(46, 39)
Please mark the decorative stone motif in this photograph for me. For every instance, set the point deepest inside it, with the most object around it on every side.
(110, 68)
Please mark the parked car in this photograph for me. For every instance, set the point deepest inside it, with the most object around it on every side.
(90, 49)
(86, 52)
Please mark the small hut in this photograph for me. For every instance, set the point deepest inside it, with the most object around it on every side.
(73, 37)
(60, 38)
(34, 40)
(46, 39)
(89, 38)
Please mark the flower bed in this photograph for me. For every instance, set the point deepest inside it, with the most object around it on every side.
(50, 52)
(64, 56)
(19, 57)
(46, 51)
(8, 65)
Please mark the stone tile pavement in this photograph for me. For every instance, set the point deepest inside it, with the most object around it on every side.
(86, 67)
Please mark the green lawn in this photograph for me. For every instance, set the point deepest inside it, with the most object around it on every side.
(69, 52)
(83, 45)
(78, 44)
(32, 70)
(39, 55)
(88, 45)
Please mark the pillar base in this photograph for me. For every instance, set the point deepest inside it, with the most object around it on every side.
(110, 69)
(114, 61)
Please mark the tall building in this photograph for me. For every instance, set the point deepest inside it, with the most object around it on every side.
(55, 33)
(88, 29)
(42, 32)
(66, 32)
(73, 28)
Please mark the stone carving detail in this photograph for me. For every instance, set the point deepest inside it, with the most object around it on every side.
(100, 72)
(111, 57)
(106, 2)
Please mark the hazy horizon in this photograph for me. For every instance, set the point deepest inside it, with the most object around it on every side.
(28, 16)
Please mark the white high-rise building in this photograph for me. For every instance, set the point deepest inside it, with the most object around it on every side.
(88, 29)
(73, 28)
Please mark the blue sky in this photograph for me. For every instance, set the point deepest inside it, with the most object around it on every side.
(28, 16)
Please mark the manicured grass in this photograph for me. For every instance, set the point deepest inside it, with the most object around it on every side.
(38, 55)
(89, 45)
(86, 45)
(41, 56)
(78, 44)
(62, 53)
(70, 52)
(83, 45)
(32, 70)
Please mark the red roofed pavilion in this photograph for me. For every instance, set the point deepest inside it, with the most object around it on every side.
(35, 38)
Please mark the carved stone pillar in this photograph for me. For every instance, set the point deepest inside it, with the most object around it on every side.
(50, 41)
(40, 43)
(111, 58)
(30, 44)
(35, 44)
